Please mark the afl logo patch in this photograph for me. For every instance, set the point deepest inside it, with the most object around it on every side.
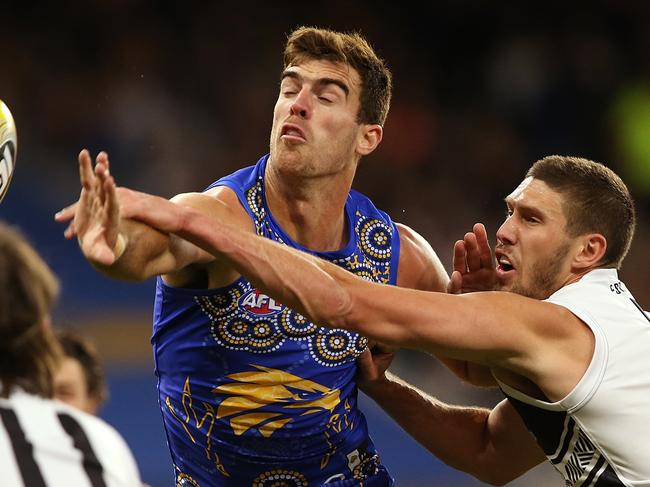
(260, 304)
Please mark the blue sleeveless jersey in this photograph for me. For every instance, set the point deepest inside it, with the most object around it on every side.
(254, 394)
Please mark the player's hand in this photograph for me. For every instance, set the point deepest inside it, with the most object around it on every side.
(97, 213)
(67, 215)
(372, 365)
(474, 267)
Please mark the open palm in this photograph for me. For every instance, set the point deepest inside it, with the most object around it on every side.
(97, 215)
(473, 263)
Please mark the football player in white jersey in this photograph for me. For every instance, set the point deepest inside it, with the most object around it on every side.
(44, 442)
(568, 344)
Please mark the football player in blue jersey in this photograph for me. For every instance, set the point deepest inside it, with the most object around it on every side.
(251, 391)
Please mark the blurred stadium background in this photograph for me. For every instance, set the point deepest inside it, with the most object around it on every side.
(181, 93)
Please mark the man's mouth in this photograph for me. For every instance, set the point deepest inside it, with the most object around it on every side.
(292, 132)
(505, 268)
(505, 264)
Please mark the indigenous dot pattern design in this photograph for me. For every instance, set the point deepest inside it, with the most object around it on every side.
(248, 333)
(236, 328)
(375, 238)
(337, 346)
(280, 478)
(296, 326)
(256, 204)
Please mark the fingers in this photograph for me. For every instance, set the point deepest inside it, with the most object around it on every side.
(474, 253)
(66, 213)
(471, 248)
(112, 205)
(460, 257)
(484, 250)
(71, 231)
(455, 284)
(101, 163)
(107, 198)
(101, 172)
(104, 158)
(86, 176)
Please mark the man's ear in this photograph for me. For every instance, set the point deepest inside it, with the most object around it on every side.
(590, 252)
(369, 138)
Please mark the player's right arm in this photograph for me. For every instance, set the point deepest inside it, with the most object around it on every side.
(148, 252)
(492, 445)
(125, 249)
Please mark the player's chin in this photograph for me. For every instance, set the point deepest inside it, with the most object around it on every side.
(504, 283)
(289, 156)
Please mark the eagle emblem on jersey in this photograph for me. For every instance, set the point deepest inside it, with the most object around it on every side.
(251, 392)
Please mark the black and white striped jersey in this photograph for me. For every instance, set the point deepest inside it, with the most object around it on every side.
(599, 434)
(45, 443)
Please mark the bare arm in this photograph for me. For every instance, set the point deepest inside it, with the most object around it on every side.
(126, 249)
(494, 446)
(541, 341)
(420, 268)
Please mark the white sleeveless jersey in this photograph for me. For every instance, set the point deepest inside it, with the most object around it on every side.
(599, 434)
(45, 443)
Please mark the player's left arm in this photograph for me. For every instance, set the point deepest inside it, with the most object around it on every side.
(420, 268)
(536, 339)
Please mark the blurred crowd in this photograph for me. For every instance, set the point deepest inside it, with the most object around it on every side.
(181, 93)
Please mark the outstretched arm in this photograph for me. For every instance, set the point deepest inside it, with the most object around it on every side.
(541, 341)
(122, 248)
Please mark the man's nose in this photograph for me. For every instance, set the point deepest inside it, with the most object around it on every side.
(506, 233)
(301, 106)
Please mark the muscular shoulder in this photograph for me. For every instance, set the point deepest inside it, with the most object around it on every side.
(419, 266)
(220, 202)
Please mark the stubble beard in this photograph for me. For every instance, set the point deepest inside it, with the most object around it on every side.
(543, 276)
(290, 158)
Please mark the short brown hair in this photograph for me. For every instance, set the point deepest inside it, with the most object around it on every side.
(29, 353)
(352, 49)
(596, 200)
(83, 351)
